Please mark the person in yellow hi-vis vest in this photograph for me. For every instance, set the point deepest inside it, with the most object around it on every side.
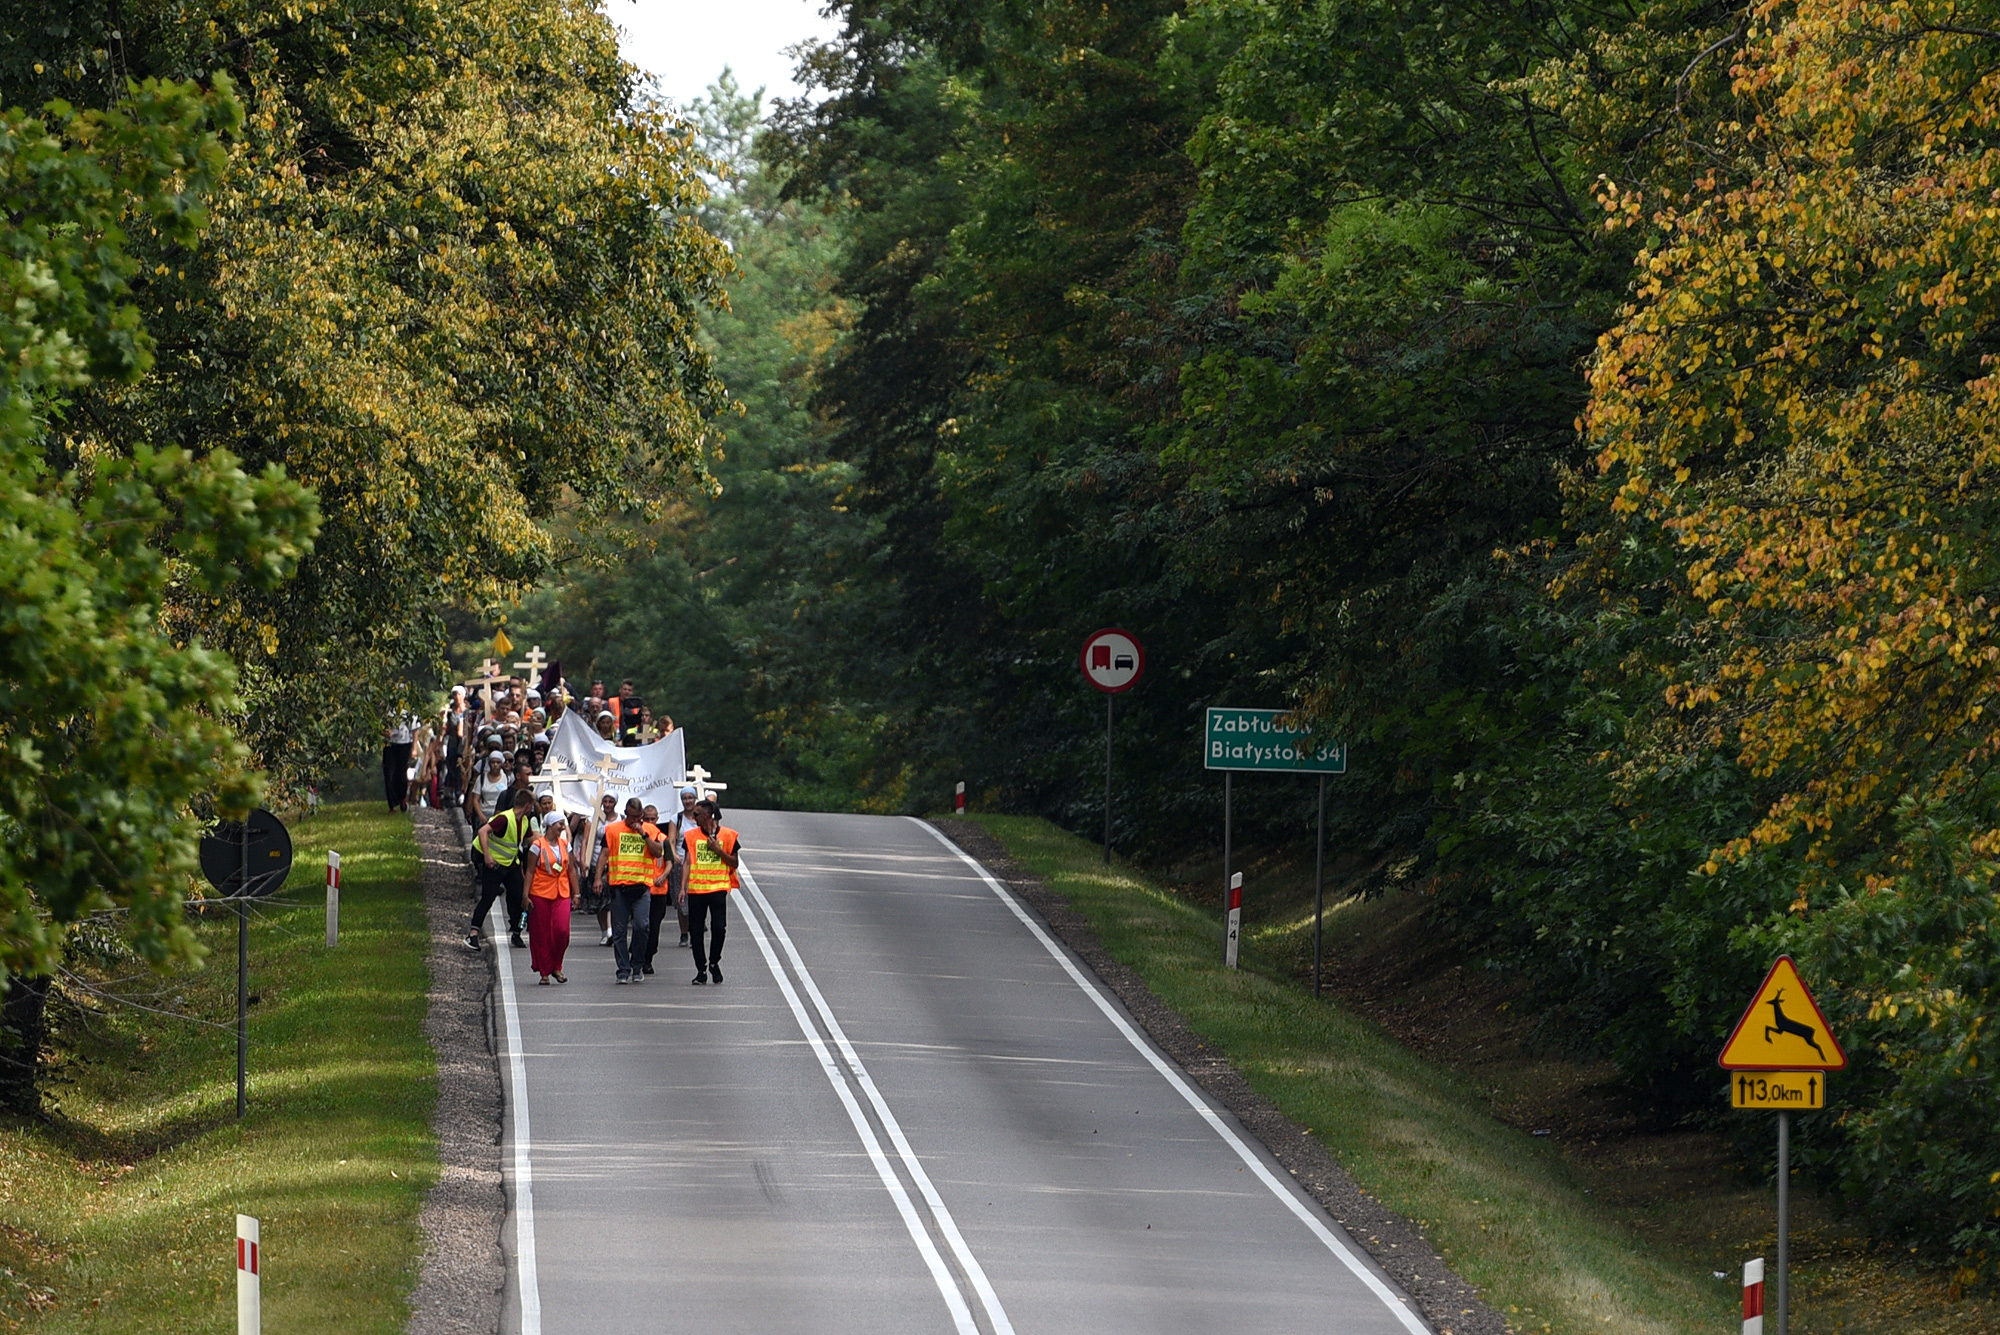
(626, 870)
(713, 853)
(500, 843)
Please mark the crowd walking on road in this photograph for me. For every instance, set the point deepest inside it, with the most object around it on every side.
(632, 870)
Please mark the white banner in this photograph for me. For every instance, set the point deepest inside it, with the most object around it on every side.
(581, 766)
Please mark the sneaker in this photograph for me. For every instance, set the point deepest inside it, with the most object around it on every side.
(701, 979)
(624, 978)
(607, 938)
(638, 975)
(649, 971)
(472, 942)
(715, 972)
(684, 940)
(519, 944)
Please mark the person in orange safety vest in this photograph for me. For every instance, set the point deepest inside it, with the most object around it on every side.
(626, 870)
(713, 852)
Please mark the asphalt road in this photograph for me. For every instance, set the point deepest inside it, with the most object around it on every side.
(907, 1110)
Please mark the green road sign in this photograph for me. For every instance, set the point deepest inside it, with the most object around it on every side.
(1267, 739)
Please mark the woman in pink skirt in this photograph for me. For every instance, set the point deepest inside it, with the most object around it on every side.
(549, 882)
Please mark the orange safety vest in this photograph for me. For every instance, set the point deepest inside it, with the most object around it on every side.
(707, 872)
(550, 879)
(631, 863)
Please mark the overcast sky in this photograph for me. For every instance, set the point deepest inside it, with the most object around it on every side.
(685, 43)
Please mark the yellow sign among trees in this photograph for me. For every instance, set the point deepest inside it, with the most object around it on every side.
(1783, 1029)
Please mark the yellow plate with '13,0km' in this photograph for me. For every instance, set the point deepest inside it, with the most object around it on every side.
(1777, 1089)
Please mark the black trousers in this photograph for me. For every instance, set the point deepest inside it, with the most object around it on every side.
(663, 907)
(702, 909)
(396, 773)
(495, 882)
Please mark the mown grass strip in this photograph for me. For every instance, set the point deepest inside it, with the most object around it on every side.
(119, 1213)
(1499, 1206)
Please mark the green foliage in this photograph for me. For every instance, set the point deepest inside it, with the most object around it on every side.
(110, 726)
(451, 283)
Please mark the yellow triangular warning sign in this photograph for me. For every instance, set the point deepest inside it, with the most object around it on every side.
(501, 644)
(1783, 1030)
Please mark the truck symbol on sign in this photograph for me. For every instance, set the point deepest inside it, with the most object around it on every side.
(1100, 656)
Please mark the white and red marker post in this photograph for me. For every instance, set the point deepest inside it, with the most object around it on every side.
(1753, 1297)
(1235, 920)
(332, 898)
(249, 1278)
(959, 798)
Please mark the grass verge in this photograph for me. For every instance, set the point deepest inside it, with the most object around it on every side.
(117, 1212)
(1503, 1207)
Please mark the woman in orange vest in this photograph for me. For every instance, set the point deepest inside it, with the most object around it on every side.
(713, 852)
(551, 876)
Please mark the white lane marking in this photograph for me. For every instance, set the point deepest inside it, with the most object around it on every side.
(961, 1315)
(946, 1225)
(870, 872)
(1411, 1321)
(524, 1182)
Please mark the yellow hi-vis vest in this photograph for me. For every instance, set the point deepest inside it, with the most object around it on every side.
(506, 848)
(707, 872)
(630, 863)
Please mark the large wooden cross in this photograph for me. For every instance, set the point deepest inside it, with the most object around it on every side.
(608, 773)
(489, 677)
(536, 660)
(702, 787)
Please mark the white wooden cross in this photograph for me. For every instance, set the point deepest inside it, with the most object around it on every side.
(536, 660)
(489, 677)
(702, 787)
(608, 773)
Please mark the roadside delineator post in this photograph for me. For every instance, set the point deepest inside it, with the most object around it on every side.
(1235, 919)
(959, 798)
(1753, 1297)
(249, 1278)
(332, 898)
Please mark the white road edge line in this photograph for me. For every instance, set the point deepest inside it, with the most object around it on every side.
(961, 1315)
(946, 1224)
(524, 1182)
(1411, 1321)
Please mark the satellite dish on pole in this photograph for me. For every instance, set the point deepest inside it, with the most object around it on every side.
(267, 859)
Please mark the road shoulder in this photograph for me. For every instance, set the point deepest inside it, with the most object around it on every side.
(1451, 1304)
(464, 1268)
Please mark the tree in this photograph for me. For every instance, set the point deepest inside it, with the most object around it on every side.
(452, 284)
(111, 726)
(1799, 406)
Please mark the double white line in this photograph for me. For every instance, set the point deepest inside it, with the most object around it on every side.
(846, 1075)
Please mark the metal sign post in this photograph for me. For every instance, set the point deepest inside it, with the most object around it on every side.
(1270, 741)
(246, 860)
(1112, 661)
(1235, 921)
(1790, 1060)
(243, 979)
(1319, 883)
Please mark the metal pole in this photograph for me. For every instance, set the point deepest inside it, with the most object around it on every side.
(243, 973)
(1319, 884)
(1228, 803)
(1784, 1219)
(1107, 778)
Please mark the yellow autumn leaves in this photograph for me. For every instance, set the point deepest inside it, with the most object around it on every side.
(1800, 397)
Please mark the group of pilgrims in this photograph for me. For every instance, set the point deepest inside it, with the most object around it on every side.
(630, 869)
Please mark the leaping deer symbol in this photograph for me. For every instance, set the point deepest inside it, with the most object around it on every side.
(1785, 1026)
